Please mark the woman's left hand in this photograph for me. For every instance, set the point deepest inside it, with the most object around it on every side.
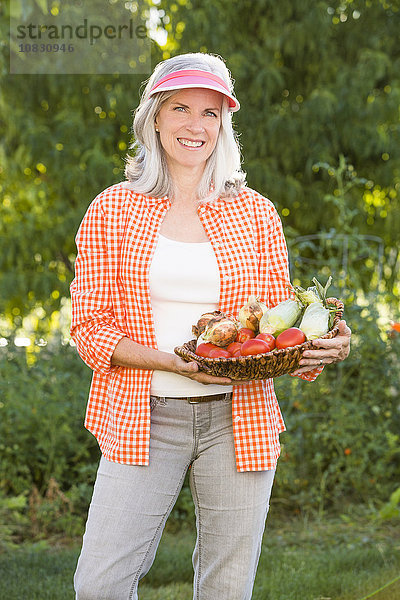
(326, 351)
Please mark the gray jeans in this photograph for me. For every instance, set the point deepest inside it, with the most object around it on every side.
(130, 506)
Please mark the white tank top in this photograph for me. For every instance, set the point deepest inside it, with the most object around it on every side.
(184, 284)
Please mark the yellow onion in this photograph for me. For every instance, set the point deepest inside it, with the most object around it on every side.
(221, 332)
(251, 313)
(205, 318)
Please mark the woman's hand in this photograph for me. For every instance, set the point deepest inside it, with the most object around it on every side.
(132, 355)
(327, 351)
(191, 370)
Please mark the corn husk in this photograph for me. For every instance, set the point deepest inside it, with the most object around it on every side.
(315, 293)
(307, 296)
(315, 321)
(280, 317)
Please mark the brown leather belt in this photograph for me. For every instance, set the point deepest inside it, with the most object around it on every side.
(197, 399)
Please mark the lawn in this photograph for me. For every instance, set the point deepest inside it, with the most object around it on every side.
(320, 560)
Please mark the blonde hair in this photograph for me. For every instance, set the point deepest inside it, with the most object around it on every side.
(147, 170)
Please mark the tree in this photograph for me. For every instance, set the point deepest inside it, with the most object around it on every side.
(63, 139)
(317, 80)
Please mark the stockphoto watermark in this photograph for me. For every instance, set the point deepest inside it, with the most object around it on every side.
(66, 39)
(85, 31)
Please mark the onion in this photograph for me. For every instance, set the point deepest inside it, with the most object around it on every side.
(221, 332)
(205, 318)
(251, 313)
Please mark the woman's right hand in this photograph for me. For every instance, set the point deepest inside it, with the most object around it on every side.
(191, 370)
(132, 355)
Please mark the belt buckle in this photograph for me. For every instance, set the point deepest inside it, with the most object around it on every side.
(192, 400)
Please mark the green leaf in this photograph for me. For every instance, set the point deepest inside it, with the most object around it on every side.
(15, 8)
(43, 5)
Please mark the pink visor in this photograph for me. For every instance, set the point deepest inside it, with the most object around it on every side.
(194, 78)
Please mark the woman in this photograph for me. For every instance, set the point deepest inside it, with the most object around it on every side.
(181, 237)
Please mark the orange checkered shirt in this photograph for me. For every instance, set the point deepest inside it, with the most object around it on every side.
(111, 299)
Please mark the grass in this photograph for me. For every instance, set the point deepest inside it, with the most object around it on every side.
(37, 573)
(324, 559)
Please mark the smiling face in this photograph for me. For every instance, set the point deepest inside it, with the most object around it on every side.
(189, 124)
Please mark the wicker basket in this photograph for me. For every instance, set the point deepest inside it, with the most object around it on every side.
(259, 366)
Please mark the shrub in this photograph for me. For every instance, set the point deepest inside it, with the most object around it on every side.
(342, 442)
(46, 455)
(343, 430)
(42, 410)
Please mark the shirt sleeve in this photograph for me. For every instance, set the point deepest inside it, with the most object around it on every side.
(93, 327)
(310, 375)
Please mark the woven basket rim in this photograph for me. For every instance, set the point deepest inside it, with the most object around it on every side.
(206, 363)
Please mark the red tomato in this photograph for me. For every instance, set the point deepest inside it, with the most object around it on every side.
(236, 353)
(219, 353)
(233, 347)
(290, 337)
(253, 347)
(267, 337)
(204, 348)
(244, 334)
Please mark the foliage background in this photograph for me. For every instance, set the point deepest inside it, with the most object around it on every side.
(319, 85)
